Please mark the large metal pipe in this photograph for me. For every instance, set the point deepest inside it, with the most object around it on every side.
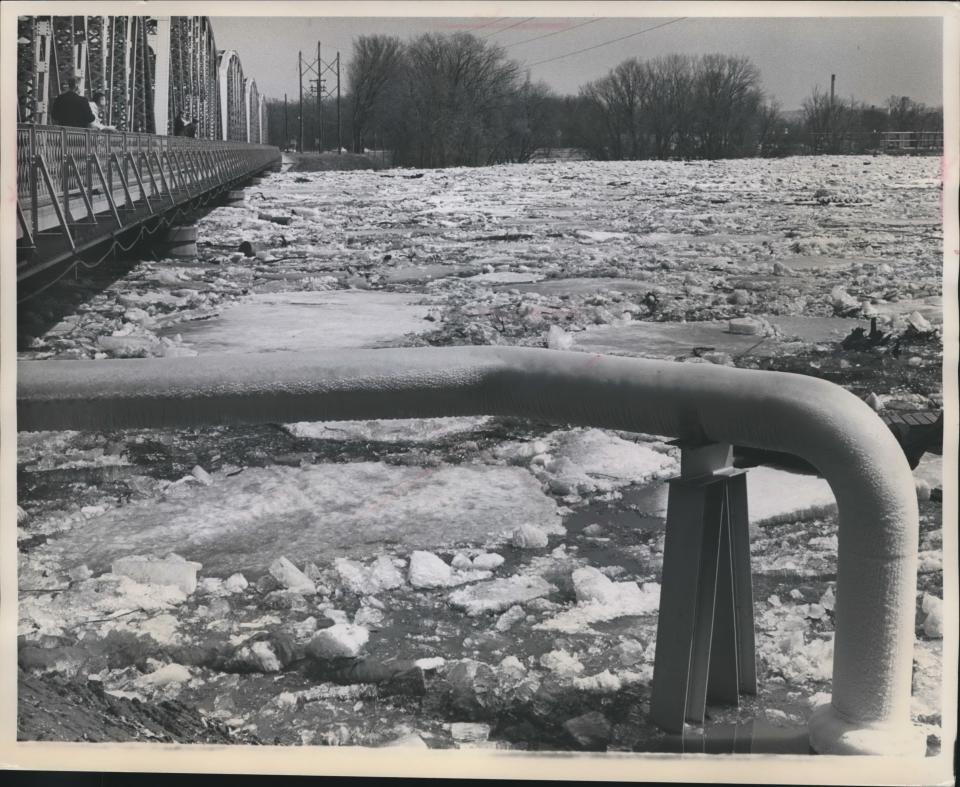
(813, 419)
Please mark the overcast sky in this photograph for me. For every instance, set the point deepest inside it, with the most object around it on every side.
(873, 58)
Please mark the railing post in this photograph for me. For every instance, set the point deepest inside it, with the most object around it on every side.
(34, 199)
(122, 170)
(88, 175)
(64, 174)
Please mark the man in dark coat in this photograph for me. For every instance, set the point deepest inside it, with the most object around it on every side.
(70, 108)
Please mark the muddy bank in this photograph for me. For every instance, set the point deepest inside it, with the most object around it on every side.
(53, 709)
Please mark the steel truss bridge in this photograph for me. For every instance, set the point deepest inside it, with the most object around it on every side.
(79, 190)
(148, 67)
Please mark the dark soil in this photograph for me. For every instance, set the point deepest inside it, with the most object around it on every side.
(53, 709)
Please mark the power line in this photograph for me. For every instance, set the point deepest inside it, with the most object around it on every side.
(605, 43)
(554, 33)
(504, 29)
(492, 22)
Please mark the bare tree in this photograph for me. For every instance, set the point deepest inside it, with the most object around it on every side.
(601, 96)
(459, 89)
(669, 104)
(827, 118)
(377, 61)
(726, 99)
(771, 130)
(630, 82)
(529, 126)
(905, 114)
(618, 100)
(678, 106)
(454, 100)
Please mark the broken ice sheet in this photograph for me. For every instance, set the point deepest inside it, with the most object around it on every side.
(588, 460)
(614, 600)
(500, 594)
(108, 596)
(243, 522)
(692, 257)
(398, 430)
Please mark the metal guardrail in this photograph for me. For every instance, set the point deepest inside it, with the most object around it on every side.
(879, 141)
(833, 430)
(81, 186)
(912, 140)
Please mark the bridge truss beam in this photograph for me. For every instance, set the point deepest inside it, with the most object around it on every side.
(149, 68)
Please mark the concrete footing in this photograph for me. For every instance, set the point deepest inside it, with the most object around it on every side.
(830, 733)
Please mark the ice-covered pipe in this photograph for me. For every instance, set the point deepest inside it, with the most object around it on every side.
(813, 419)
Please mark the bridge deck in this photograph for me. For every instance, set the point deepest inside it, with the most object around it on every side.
(77, 189)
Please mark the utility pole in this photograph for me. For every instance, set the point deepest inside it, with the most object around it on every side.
(320, 69)
(319, 103)
(286, 131)
(300, 74)
(339, 127)
(833, 85)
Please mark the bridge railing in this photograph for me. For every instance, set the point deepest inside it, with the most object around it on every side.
(78, 173)
(912, 140)
(881, 141)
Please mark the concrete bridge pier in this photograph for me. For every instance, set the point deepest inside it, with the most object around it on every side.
(179, 241)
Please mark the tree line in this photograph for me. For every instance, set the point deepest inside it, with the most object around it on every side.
(442, 100)
(435, 101)
(839, 125)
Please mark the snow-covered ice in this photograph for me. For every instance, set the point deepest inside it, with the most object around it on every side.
(428, 570)
(398, 430)
(245, 521)
(309, 321)
(634, 258)
(599, 600)
(343, 640)
(500, 594)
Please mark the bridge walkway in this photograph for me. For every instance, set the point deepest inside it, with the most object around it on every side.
(79, 189)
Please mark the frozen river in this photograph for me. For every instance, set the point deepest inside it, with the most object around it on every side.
(637, 258)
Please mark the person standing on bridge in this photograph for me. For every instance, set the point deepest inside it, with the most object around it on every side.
(70, 108)
(97, 107)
